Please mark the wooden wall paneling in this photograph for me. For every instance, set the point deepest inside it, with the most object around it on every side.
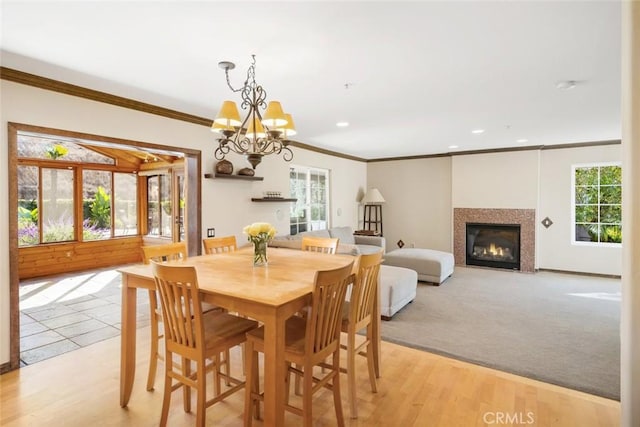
(59, 258)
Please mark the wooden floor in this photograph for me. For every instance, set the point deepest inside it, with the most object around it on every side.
(81, 388)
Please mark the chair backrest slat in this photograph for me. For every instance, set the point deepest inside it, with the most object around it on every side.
(320, 244)
(216, 245)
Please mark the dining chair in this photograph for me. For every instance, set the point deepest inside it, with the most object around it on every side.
(195, 337)
(358, 314)
(219, 245)
(214, 245)
(308, 342)
(163, 253)
(159, 253)
(320, 244)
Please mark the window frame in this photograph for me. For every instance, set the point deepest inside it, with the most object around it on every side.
(598, 165)
(78, 169)
(308, 170)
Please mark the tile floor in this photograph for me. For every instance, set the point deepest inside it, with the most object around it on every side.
(59, 314)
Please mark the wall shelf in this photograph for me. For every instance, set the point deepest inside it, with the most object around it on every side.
(240, 177)
(272, 199)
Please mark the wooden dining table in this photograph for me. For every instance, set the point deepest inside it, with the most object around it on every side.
(270, 294)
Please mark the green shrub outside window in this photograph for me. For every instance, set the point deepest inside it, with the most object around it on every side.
(598, 203)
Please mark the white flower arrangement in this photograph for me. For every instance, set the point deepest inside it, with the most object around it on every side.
(259, 232)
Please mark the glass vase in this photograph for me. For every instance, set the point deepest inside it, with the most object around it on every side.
(259, 253)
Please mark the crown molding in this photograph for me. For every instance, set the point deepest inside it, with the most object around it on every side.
(501, 150)
(94, 95)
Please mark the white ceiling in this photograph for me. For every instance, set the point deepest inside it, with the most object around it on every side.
(421, 75)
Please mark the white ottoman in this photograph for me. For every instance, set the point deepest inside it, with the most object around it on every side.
(431, 266)
(397, 288)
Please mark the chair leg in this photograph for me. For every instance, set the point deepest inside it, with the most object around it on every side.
(297, 379)
(287, 382)
(227, 368)
(186, 390)
(153, 353)
(251, 381)
(307, 385)
(166, 397)
(201, 376)
(371, 362)
(216, 374)
(337, 400)
(255, 383)
(351, 374)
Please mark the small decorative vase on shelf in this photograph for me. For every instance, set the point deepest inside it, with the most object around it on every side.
(224, 167)
(259, 233)
(259, 253)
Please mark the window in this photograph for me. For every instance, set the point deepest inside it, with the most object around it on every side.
(311, 189)
(159, 205)
(597, 203)
(50, 173)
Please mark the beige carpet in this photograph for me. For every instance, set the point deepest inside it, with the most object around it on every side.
(558, 328)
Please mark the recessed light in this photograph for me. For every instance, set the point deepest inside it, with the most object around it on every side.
(453, 146)
(477, 131)
(522, 140)
(342, 124)
(566, 84)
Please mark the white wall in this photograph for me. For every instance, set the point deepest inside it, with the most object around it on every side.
(418, 201)
(226, 204)
(506, 180)
(555, 250)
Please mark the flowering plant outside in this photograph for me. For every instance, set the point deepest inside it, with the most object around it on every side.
(56, 151)
(259, 233)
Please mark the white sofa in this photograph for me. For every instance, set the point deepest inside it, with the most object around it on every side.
(397, 285)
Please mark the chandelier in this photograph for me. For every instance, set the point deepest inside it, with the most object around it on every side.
(258, 134)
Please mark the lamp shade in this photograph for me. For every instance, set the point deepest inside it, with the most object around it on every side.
(274, 116)
(290, 128)
(228, 114)
(373, 197)
(255, 129)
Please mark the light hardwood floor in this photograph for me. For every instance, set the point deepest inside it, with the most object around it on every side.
(81, 388)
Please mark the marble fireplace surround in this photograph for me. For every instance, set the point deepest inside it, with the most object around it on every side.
(525, 217)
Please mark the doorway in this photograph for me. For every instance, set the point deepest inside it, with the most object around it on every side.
(187, 211)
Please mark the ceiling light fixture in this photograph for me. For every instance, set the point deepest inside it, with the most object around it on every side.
(342, 124)
(477, 131)
(522, 140)
(453, 146)
(257, 135)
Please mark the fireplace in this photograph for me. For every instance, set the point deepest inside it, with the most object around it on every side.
(525, 218)
(493, 245)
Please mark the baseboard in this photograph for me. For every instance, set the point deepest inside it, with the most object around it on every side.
(5, 367)
(581, 273)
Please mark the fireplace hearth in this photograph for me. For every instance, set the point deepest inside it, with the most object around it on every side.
(493, 245)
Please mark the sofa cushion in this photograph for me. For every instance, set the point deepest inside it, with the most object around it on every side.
(314, 233)
(286, 243)
(368, 249)
(345, 234)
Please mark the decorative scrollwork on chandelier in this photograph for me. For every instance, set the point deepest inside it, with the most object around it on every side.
(257, 135)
